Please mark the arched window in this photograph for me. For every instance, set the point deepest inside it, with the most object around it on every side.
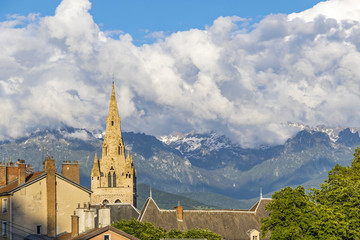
(114, 179)
(109, 179)
(105, 201)
(117, 201)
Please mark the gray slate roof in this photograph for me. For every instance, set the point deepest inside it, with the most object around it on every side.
(231, 224)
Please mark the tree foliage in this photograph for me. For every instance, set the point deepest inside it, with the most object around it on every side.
(330, 212)
(147, 231)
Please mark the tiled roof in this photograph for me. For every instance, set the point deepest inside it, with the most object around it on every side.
(97, 231)
(231, 224)
(32, 177)
(14, 184)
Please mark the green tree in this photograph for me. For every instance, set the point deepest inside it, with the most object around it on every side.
(330, 212)
(292, 215)
(147, 231)
(201, 233)
(142, 230)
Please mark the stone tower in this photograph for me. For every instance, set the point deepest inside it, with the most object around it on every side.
(113, 177)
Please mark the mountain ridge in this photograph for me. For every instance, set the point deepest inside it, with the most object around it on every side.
(214, 165)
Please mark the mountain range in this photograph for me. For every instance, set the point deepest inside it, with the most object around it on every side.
(193, 164)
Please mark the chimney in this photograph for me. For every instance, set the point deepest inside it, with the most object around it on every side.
(104, 217)
(21, 172)
(71, 170)
(74, 225)
(49, 164)
(49, 168)
(3, 173)
(179, 213)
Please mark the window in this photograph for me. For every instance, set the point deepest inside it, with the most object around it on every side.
(112, 123)
(117, 201)
(105, 150)
(4, 228)
(114, 179)
(109, 179)
(105, 201)
(38, 229)
(106, 237)
(255, 237)
(4, 205)
(118, 150)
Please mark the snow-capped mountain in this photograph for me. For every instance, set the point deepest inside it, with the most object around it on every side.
(332, 132)
(188, 142)
(199, 162)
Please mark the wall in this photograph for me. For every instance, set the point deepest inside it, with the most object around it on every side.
(125, 194)
(29, 209)
(113, 236)
(68, 197)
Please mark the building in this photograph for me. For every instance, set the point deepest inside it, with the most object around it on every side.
(113, 177)
(231, 224)
(104, 233)
(39, 203)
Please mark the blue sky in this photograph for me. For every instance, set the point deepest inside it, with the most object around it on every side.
(241, 68)
(138, 18)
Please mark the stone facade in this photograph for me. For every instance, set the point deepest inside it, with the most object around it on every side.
(113, 177)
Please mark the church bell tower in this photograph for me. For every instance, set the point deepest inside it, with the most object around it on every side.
(113, 177)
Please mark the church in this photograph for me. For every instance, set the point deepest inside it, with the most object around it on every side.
(113, 177)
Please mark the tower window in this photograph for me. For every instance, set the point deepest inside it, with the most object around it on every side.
(105, 151)
(118, 150)
(114, 179)
(112, 123)
(109, 179)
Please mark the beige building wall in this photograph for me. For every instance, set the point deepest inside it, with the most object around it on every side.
(113, 236)
(29, 203)
(68, 197)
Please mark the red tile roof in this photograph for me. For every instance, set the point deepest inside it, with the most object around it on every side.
(14, 184)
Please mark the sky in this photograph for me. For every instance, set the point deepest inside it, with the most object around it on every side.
(240, 68)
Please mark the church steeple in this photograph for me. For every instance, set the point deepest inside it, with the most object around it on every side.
(113, 143)
(113, 109)
(113, 177)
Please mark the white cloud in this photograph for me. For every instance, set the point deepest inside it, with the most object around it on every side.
(244, 82)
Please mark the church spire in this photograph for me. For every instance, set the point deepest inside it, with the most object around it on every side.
(113, 109)
(113, 129)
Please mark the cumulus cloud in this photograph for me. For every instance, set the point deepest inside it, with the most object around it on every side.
(244, 81)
